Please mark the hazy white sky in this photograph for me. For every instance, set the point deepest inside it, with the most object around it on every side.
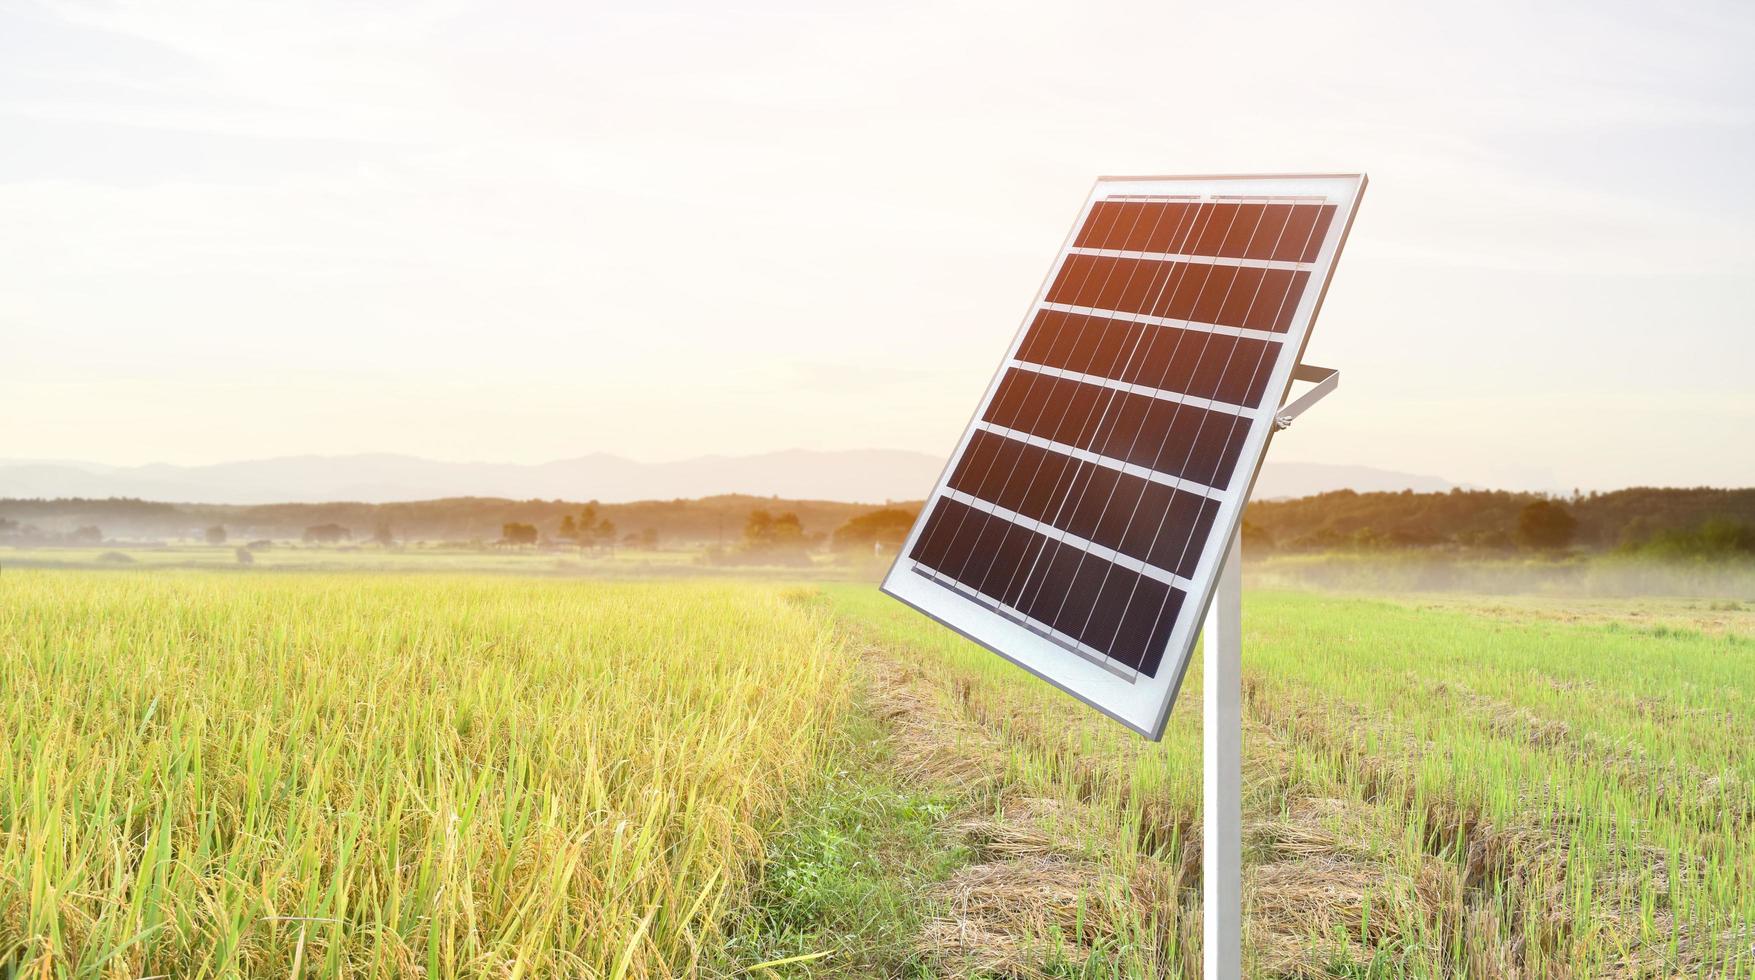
(524, 231)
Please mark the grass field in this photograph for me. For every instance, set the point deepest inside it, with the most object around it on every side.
(350, 774)
(1434, 787)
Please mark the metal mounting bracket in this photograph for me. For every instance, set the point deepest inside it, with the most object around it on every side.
(1327, 380)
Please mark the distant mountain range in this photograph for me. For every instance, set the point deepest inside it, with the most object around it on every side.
(864, 475)
(1280, 480)
(861, 475)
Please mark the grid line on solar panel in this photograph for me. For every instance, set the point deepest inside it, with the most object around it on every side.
(1175, 360)
(1232, 296)
(1233, 229)
(1108, 554)
(1186, 324)
(948, 531)
(1132, 469)
(1043, 630)
(1210, 459)
(977, 476)
(1137, 389)
(1122, 253)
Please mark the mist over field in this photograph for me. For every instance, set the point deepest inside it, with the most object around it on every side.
(865, 475)
(1640, 542)
(1732, 581)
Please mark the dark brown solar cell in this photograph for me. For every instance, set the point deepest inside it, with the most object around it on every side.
(1140, 518)
(1099, 230)
(1151, 226)
(1174, 439)
(1190, 362)
(1151, 610)
(1254, 231)
(1069, 590)
(1017, 548)
(934, 542)
(1310, 222)
(1259, 232)
(1228, 295)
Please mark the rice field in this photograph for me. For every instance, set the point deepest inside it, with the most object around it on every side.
(214, 773)
(225, 775)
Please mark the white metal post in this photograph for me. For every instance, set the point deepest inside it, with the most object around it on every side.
(1222, 785)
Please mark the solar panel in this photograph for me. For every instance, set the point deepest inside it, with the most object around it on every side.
(1081, 522)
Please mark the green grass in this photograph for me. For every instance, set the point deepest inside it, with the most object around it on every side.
(843, 891)
(1529, 785)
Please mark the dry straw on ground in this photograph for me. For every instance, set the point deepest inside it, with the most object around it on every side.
(1030, 898)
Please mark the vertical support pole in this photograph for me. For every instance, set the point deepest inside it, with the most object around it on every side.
(1222, 785)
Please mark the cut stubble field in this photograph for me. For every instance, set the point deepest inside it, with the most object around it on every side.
(328, 774)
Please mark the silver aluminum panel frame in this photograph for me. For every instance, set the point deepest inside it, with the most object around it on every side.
(1143, 703)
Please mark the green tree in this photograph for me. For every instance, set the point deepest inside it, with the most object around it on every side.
(516, 533)
(1546, 524)
(758, 528)
(216, 534)
(569, 530)
(765, 530)
(1256, 537)
(1635, 532)
(879, 530)
(1716, 539)
(1725, 538)
(770, 539)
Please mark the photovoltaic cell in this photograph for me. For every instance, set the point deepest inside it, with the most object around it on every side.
(1202, 364)
(1078, 528)
(1251, 297)
(1268, 232)
(1065, 592)
(1176, 439)
(1038, 484)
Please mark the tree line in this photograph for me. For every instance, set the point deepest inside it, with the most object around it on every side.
(680, 523)
(1640, 520)
(1654, 522)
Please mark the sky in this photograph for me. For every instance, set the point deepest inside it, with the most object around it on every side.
(520, 231)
